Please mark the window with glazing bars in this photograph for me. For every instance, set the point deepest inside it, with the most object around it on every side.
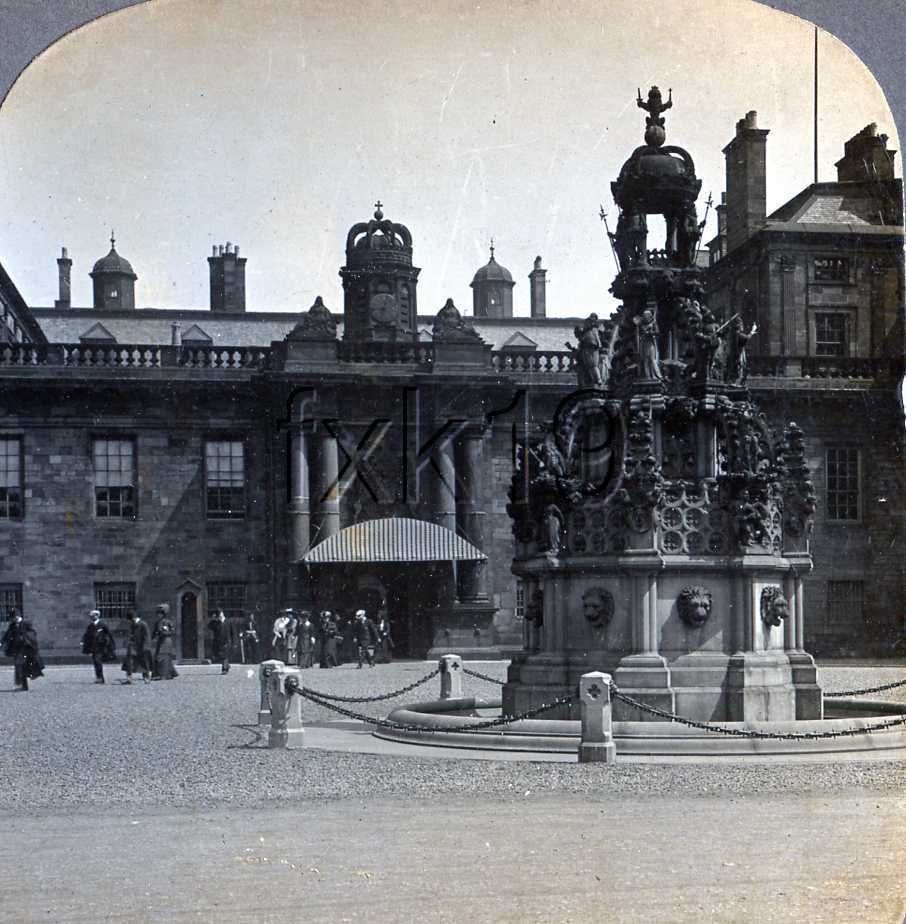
(843, 483)
(227, 597)
(10, 478)
(114, 600)
(830, 334)
(114, 478)
(519, 610)
(10, 598)
(224, 466)
(844, 603)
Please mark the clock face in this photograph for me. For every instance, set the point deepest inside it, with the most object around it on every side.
(383, 308)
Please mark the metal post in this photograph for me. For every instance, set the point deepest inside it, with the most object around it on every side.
(286, 708)
(597, 744)
(265, 669)
(450, 676)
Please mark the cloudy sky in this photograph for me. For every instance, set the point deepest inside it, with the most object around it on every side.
(277, 124)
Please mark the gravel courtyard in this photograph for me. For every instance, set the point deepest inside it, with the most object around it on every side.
(194, 741)
(162, 802)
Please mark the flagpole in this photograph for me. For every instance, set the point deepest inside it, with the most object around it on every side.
(816, 104)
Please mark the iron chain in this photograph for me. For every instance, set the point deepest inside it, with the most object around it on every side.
(751, 733)
(379, 697)
(481, 676)
(884, 686)
(474, 726)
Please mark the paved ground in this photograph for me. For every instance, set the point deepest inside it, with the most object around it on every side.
(150, 803)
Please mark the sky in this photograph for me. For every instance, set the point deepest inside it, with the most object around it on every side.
(277, 124)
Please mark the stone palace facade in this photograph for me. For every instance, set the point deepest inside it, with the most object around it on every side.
(253, 461)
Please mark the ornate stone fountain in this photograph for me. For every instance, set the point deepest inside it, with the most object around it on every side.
(662, 528)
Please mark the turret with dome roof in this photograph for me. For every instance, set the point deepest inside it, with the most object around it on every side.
(114, 281)
(492, 290)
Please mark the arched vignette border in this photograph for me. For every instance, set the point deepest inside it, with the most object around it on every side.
(873, 29)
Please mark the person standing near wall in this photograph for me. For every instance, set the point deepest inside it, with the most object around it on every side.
(249, 639)
(220, 640)
(20, 642)
(138, 648)
(163, 651)
(366, 637)
(305, 641)
(97, 641)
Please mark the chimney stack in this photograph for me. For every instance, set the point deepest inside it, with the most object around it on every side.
(746, 181)
(64, 266)
(865, 157)
(538, 290)
(227, 279)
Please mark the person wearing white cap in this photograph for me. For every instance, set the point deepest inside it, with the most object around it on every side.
(366, 637)
(97, 641)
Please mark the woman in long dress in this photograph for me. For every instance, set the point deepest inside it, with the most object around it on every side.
(164, 669)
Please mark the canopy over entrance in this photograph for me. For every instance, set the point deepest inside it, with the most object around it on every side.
(393, 539)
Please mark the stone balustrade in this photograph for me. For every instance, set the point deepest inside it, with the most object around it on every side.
(559, 363)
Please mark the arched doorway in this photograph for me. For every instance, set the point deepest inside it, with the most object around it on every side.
(188, 624)
(191, 637)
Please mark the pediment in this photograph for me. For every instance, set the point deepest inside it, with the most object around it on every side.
(97, 333)
(195, 334)
(519, 341)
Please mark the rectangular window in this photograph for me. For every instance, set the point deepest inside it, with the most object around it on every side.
(10, 598)
(10, 478)
(830, 334)
(114, 478)
(844, 604)
(519, 610)
(224, 470)
(831, 269)
(843, 483)
(114, 600)
(227, 597)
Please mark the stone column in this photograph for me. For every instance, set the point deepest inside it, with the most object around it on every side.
(300, 495)
(444, 499)
(327, 485)
(472, 576)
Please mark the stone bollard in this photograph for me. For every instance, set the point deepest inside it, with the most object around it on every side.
(597, 744)
(286, 708)
(265, 669)
(450, 676)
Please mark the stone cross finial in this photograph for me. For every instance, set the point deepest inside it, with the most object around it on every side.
(378, 214)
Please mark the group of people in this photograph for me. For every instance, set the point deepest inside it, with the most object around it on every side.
(151, 653)
(332, 639)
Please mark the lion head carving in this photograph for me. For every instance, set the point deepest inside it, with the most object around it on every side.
(694, 605)
(598, 606)
(774, 606)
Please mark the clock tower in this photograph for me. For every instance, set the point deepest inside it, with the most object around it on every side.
(379, 282)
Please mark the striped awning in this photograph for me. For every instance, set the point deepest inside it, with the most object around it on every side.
(399, 539)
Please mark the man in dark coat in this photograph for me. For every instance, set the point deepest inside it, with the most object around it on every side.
(138, 649)
(220, 640)
(97, 641)
(20, 642)
(366, 637)
(249, 638)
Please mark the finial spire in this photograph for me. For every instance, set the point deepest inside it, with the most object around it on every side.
(492, 248)
(112, 240)
(378, 214)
